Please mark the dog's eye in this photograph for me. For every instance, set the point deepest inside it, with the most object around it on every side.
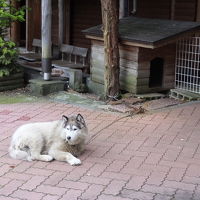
(67, 128)
(75, 129)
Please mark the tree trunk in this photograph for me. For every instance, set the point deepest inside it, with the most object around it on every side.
(110, 21)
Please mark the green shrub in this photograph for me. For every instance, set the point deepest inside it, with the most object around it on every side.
(8, 50)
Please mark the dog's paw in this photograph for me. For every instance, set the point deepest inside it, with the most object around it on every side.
(29, 158)
(47, 158)
(74, 161)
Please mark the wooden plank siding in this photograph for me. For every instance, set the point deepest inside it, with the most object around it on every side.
(55, 23)
(145, 56)
(198, 11)
(36, 23)
(36, 19)
(128, 65)
(154, 9)
(183, 9)
(83, 15)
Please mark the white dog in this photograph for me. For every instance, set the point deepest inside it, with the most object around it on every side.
(60, 140)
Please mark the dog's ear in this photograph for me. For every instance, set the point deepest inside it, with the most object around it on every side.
(65, 120)
(80, 119)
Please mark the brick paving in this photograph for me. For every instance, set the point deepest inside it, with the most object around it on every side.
(145, 157)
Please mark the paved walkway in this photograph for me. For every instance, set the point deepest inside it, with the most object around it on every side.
(146, 157)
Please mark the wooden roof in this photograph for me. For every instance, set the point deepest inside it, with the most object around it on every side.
(146, 32)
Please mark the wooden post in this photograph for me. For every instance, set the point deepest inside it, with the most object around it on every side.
(46, 38)
(67, 21)
(110, 21)
(60, 21)
(29, 24)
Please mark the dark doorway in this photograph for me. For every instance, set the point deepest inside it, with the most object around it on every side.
(156, 72)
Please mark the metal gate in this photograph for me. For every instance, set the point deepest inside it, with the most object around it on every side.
(188, 64)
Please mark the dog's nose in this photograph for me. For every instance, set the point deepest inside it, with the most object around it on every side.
(69, 138)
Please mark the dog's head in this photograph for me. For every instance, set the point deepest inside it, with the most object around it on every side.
(74, 129)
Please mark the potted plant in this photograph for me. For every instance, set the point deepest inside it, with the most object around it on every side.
(11, 75)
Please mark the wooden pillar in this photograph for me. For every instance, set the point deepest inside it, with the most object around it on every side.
(29, 24)
(110, 21)
(67, 21)
(60, 21)
(15, 26)
(46, 38)
(198, 11)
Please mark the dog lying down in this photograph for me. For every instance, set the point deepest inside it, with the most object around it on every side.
(61, 140)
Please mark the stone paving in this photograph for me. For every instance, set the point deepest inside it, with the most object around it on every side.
(144, 157)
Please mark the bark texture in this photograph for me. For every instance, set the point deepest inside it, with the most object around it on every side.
(110, 21)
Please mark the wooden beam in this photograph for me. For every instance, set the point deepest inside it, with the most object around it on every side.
(198, 11)
(60, 21)
(46, 38)
(29, 24)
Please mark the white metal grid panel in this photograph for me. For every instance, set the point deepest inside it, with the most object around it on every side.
(188, 64)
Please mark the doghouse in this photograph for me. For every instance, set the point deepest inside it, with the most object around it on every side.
(147, 53)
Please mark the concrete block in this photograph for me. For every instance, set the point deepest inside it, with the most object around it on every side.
(42, 88)
(95, 87)
(75, 78)
(184, 95)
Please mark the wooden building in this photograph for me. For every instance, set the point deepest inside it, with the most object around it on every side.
(79, 15)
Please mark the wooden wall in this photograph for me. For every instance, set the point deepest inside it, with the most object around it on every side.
(185, 10)
(37, 20)
(36, 23)
(182, 10)
(128, 65)
(54, 25)
(167, 53)
(83, 15)
(154, 8)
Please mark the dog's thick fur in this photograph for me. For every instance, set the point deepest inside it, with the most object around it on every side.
(60, 140)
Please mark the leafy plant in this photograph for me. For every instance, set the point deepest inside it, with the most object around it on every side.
(8, 50)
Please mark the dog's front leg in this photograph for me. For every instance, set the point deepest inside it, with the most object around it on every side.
(64, 156)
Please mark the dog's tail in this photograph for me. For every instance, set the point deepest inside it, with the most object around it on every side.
(16, 153)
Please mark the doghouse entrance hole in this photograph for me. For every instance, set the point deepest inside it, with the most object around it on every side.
(156, 72)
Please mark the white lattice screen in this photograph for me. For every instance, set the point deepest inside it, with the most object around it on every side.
(188, 64)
